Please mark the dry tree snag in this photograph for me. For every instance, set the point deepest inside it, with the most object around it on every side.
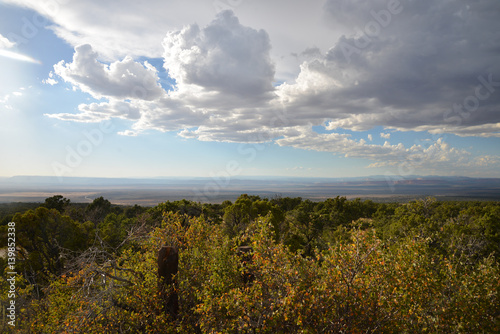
(168, 263)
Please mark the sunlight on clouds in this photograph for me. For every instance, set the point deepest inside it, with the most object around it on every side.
(124, 79)
(224, 70)
(7, 44)
(224, 57)
(18, 56)
(225, 85)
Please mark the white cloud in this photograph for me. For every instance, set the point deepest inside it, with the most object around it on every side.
(50, 80)
(5, 98)
(97, 112)
(222, 71)
(8, 101)
(430, 157)
(119, 29)
(5, 43)
(482, 130)
(407, 76)
(342, 144)
(223, 57)
(128, 133)
(131, 28)
(124, 79)
(407, 73)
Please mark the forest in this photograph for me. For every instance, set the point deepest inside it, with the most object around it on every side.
(333, 266)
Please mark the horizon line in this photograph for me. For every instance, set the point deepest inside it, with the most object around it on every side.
(392, 176)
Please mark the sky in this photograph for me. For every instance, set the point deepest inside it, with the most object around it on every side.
(226, 88)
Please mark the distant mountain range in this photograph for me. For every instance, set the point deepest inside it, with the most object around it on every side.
(149, 191)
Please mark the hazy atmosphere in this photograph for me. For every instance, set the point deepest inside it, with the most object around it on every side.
(330, 88)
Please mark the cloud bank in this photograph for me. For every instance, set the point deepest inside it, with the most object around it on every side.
(402, 65)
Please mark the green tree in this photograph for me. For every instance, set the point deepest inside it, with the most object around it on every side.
(47, 240)
(57, 202)
(238, 215)
(114, 229)
(98, 210)
(304, 227)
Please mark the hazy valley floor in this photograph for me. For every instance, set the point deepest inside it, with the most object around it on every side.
(154, 191)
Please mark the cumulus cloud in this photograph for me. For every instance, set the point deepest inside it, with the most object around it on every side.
(50, 80)
(400, 64)
(342, 144)
(405, 66)
(430, 156)
(223, 57)
(131, 28)
(223, 76)
(124, 79)
(428, 64)
(385, 135)
(420, 67)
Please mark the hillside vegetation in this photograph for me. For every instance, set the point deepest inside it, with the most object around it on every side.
(336, 266)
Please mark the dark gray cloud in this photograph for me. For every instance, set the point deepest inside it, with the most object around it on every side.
(420, 60)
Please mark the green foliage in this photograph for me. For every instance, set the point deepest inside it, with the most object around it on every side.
(8, 210)
(469, 231)
(114, 229)
(336, 266)
(57, 202)
(134, 211)
(184, 207)
(44, 238)
(246, 209)
(98, 209)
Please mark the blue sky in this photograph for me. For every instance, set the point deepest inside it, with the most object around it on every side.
(325, 88)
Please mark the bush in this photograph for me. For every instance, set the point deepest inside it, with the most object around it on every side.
(421, 275)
